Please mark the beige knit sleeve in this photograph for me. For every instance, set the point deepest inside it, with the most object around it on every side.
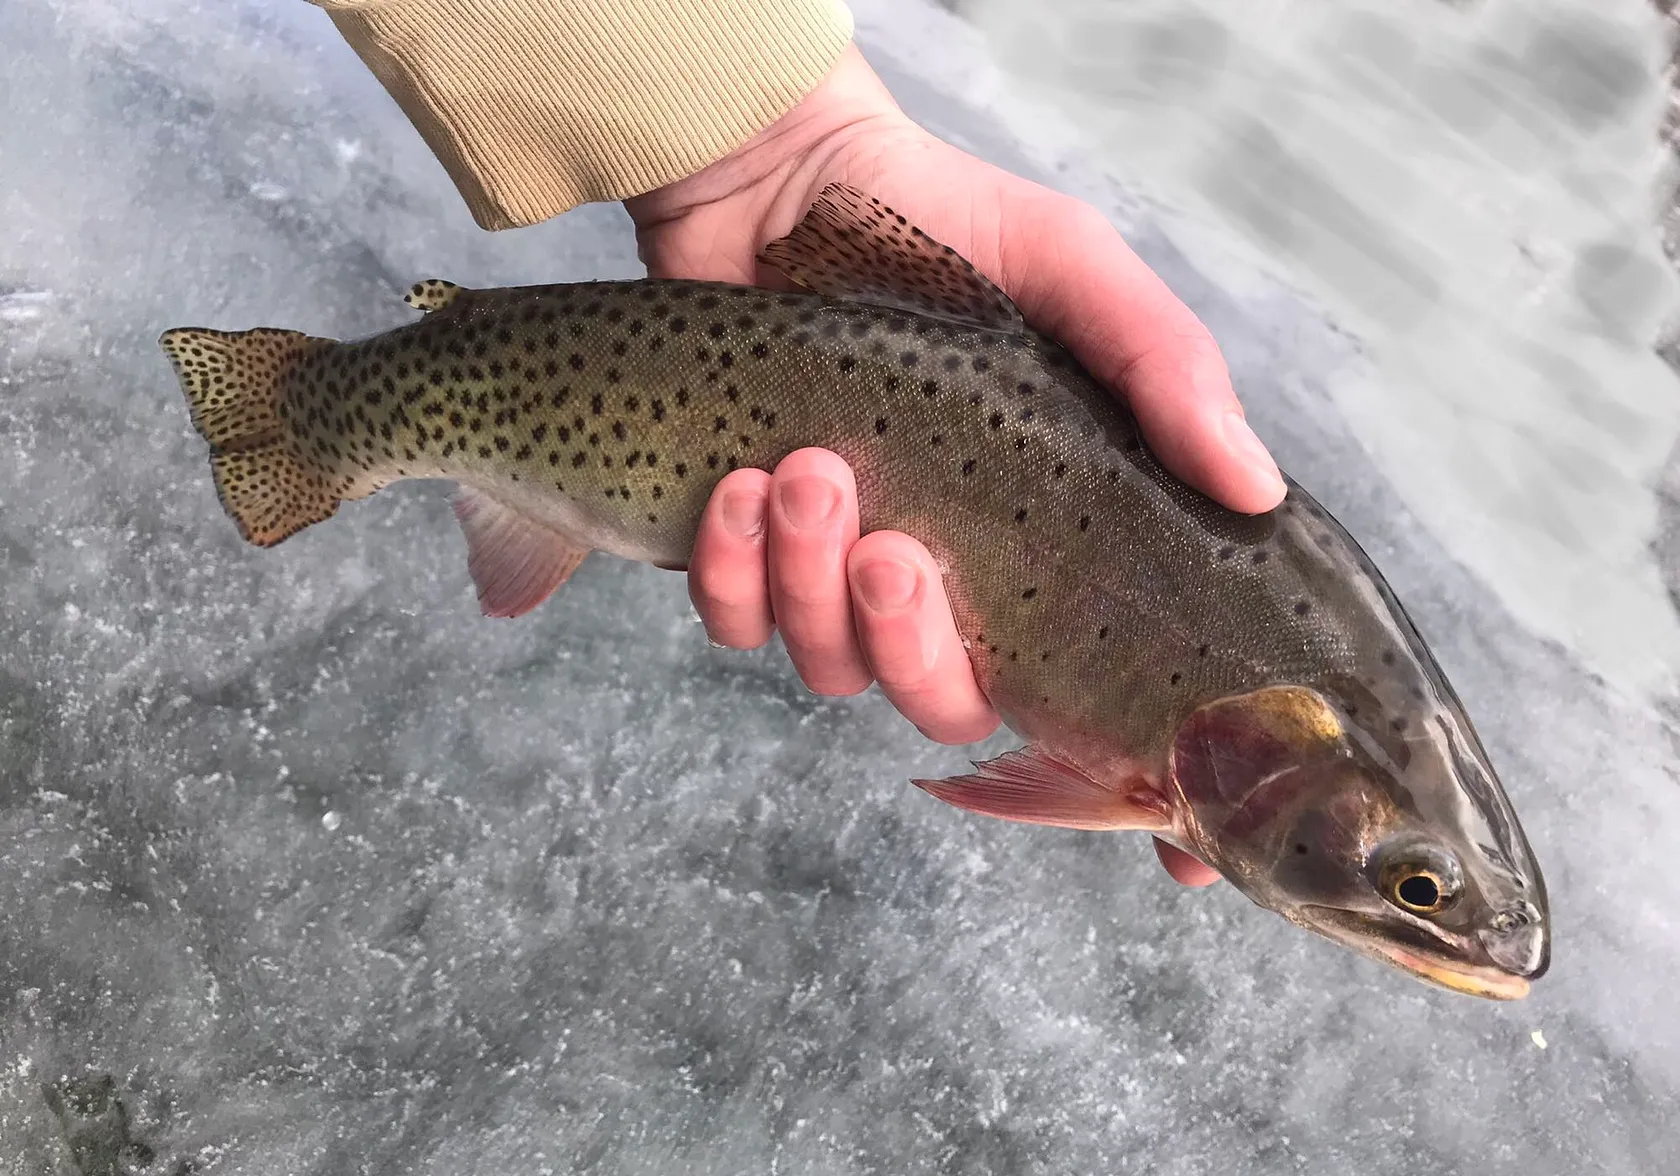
(537, 106)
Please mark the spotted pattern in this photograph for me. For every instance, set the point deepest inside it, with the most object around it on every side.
(1088, 584)
(432, 294)
(851, 245)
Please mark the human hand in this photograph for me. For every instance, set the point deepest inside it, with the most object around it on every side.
(782, 550)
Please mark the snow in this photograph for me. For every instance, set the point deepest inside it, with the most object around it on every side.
(306, 868)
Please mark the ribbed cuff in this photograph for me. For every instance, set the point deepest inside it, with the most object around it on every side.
(536, 107)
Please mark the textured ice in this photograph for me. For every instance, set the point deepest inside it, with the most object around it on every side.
(306, 868)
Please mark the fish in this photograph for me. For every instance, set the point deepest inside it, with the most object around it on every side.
(1245, 687)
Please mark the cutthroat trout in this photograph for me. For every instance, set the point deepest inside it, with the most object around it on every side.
(1245, 687)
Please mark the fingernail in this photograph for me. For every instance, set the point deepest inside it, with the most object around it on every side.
(808, 502)
(1247, 448)
(888, 586)
(743, 513)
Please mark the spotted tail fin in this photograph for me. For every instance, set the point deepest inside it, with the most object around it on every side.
(232, 381)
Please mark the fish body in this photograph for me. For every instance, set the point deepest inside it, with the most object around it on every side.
(1244, 686)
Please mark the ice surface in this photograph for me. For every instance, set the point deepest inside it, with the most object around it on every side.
(305, 868)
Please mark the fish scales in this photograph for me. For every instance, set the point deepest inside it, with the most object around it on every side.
(613, 409)
(1245, 686)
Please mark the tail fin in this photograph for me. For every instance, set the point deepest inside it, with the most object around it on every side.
(232, 381)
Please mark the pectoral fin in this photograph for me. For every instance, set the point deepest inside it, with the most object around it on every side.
(1034, 787)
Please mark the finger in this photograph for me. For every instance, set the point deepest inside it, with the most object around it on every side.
(726, 574)
(811, 523)
(1185, 870)
(904, 626)
(1081, 282)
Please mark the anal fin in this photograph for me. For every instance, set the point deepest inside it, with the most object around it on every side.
(1034, 787)
(516, 563)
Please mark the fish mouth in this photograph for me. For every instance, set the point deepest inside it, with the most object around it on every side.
(1361, 934)
(1470, 979)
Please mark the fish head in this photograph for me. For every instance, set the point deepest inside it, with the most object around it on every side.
(1392, 838)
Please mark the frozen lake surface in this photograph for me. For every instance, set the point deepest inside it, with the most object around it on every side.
(306, 868)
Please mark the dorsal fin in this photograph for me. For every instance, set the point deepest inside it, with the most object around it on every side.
(433, 294)
(852, 246)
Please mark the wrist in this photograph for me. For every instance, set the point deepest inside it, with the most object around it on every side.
(849, 104)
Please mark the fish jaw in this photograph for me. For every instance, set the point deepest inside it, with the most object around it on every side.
(1490, 982)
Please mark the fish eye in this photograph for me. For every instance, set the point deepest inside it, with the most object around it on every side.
(1420, 879)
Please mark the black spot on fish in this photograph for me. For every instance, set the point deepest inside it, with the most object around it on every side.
(909, 359)
(953, 362)
(576, 361)
(1102, 633)
(847, 363)
(1302, 608)
(760, 350)
(1388, 658)
(982, 364)
(880, 425)
(997, 420)
(936, 440)
(968, 467)
(717, 330)
(1260, 557)
(1227, 552)
(1029, 594)
(678, 324)
(1397, 725)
